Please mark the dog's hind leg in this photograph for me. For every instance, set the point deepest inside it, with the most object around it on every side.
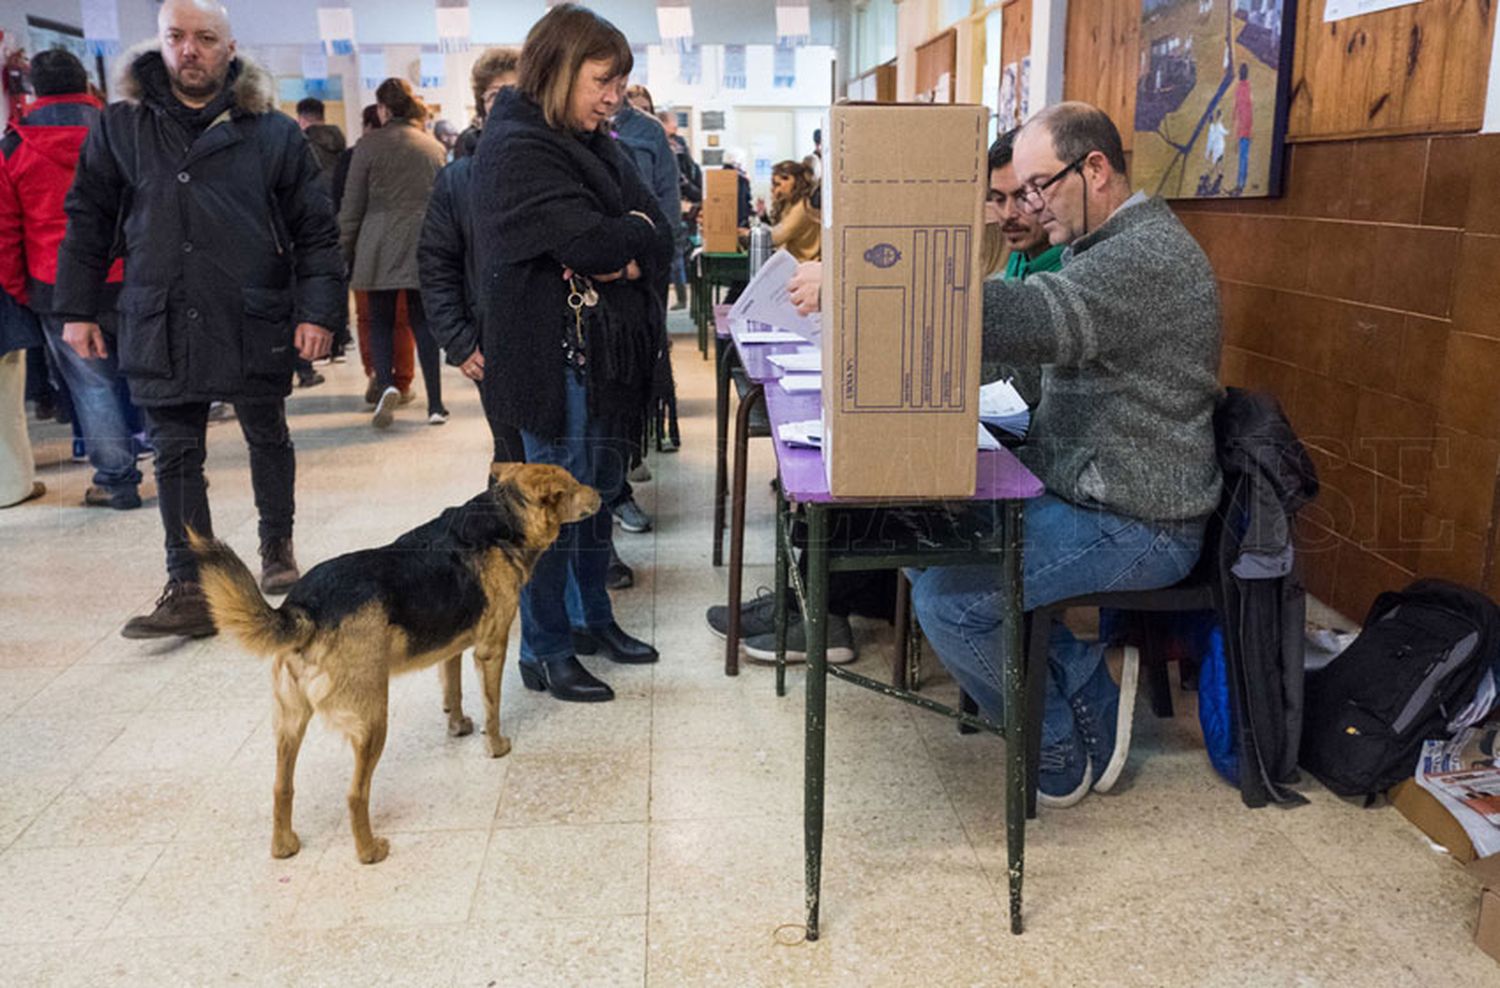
(367, 749)
(489, 659)
(291, 717)
(452, 671)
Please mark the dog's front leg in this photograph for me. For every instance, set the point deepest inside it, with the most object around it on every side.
(452, 671)
(489, 659)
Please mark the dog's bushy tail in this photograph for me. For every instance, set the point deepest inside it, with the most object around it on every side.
(237, 604)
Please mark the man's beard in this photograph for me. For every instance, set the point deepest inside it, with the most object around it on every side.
(206, 89)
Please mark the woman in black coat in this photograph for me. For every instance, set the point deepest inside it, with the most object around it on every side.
(567, 217)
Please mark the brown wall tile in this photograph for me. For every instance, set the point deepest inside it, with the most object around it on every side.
(1424, 349)
(1450, 164)
(1232, 366)
(1484, 204)
(1265, 374)
(1386, 180)
(1323, 412)
(1454, 553)
(1319, 178)
(1399, 534)
(1469, 398)
(1476, 291)
(1461, 481)
(1413, 269)
(1317, 552)
(1389, 430)
(1366, 346)
(1341, 260)
(1303, 325)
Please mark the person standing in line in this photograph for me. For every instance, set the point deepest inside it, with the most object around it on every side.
(231, 270)
(38, 158)
(19, 331)
(1244, 125)
(380, 219)
(569, 218)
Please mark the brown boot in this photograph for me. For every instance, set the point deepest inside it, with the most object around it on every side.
(181, 611)
(278, 567)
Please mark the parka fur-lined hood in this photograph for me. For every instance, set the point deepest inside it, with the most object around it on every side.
(254, 89)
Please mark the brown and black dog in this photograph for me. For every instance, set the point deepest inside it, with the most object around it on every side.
(356, 620)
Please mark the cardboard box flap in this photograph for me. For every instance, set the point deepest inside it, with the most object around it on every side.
(1487, 870)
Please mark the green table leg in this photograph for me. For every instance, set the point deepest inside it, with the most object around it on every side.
(1015, 711)
(781, 590)
(815, 623)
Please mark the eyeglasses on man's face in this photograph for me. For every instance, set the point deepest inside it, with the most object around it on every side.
(1032, 199)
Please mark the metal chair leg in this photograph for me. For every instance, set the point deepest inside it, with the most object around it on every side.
(737, 529)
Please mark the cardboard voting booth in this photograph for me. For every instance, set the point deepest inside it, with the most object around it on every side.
(903, 194)
(721, 210)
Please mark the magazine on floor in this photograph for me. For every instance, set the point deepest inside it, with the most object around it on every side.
(1462, 775)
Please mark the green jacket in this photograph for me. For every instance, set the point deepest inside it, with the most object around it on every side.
(1019, 266)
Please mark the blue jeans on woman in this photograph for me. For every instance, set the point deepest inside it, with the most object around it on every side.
(594, 456)
(1069, 550)
(98, 414)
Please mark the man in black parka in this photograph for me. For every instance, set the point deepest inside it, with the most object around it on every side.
(232, 269)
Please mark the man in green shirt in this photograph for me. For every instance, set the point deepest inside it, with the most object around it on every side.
(1030, 250)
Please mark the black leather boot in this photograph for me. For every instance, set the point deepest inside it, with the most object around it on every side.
(567, 680)
(616, 645)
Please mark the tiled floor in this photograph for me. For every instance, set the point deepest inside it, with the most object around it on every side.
(654, 840)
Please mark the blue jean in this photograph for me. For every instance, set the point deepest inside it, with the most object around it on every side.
(1244, 161)
(588, 451)
(1069, 550)
(97, 411)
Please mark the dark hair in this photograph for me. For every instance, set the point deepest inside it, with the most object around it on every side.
(397, 97)
(311, 107)
(489, 66)
(369, 117)
(1077, 129)
(641, 92)
(1244, 70)
(1004, 149)
(57, 72)
(556, 48)
(818, 135)
(802, 185)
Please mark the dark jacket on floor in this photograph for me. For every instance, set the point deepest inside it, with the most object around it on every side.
(228, 238)
(557, 199)
(448, 264)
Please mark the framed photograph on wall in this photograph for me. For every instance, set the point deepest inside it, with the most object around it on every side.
(1211, 97)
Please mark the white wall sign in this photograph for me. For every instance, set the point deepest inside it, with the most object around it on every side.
(1340, 10)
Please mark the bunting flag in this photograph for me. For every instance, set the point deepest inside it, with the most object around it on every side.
(336, 28)
(785, 71)
(434, 69)
(735, 74)
(690, 66)
(372, 67)
(674, 21)
(314, 63)
(453, 25)
(641, 70)
(101, 26)
(793, 24)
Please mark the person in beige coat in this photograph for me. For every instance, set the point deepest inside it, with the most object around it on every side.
(385, 199)
(798, 226)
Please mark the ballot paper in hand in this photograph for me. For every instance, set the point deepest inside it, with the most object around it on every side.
(766, 300)
(1002, 406)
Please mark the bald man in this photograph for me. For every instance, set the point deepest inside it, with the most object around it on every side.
(232, 270)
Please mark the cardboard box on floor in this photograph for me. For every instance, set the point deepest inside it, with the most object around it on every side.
(721, 210)
(903, 195)
(1487, 929)
(1422, 809)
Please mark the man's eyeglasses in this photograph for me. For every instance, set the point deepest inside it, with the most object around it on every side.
(1031, 196)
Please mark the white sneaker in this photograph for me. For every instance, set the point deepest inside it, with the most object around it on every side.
(385, 408)
(437, 418)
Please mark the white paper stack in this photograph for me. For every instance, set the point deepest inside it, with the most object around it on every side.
(809, 433)
(801, 383)
(1002, 406)
(803, 361)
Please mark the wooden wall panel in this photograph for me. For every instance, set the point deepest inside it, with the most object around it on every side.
(936, 58)
(1411, 70)
(1102, 59)
(1015, 31)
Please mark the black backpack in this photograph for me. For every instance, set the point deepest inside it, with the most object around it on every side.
(1418, 661)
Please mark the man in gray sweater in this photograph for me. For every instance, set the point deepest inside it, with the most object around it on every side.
(1126, 335)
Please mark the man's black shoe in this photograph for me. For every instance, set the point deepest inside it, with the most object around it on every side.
(567, 680)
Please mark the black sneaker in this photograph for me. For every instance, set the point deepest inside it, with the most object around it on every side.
(757, 617)
(310, 380)
(839, 649)
(619, 576)
(124, 499)
(181, 612)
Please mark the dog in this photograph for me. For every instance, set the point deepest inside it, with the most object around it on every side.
(356, 620)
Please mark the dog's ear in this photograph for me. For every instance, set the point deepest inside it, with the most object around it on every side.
(546, 485)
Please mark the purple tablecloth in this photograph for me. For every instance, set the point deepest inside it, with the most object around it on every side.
(803, 479)
(755, 357)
